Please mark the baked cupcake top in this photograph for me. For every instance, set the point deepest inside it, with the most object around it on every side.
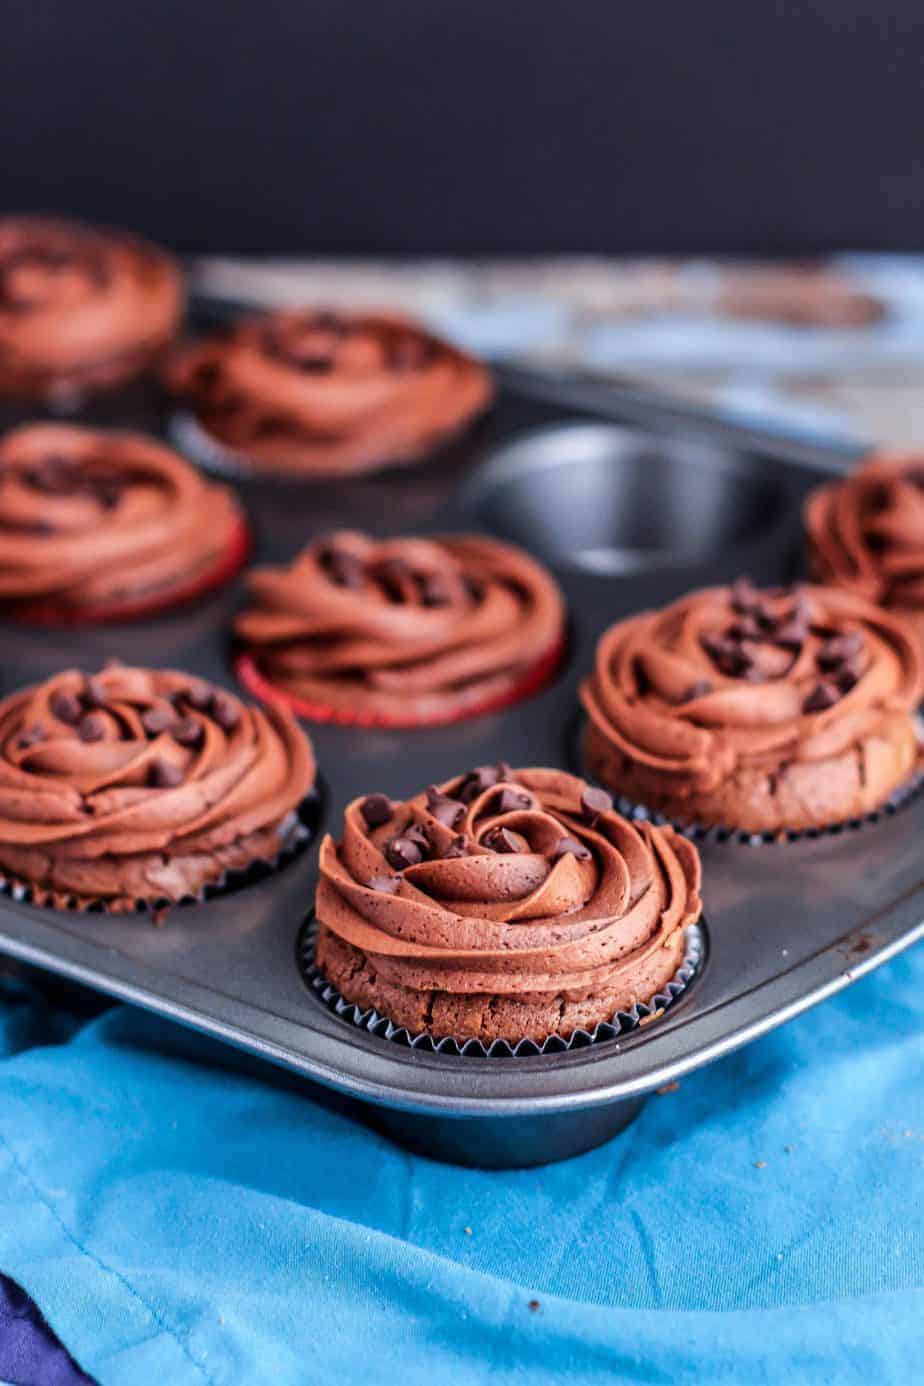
(506, 882)
(130, 761)
(403, 629)
(866, 532)
(730, 676)
(91, 520)
(329, 393)
(80, 307)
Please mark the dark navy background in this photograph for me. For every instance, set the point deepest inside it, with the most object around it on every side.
(438, 125)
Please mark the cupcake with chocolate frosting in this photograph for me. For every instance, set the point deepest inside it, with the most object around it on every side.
(502, 905)
(81, 308)
(401, 632)
(325, 394)
(761, 711)
(866, 534)
(139, 786)
(104, 526)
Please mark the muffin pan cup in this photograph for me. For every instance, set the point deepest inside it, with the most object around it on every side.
(776, 942)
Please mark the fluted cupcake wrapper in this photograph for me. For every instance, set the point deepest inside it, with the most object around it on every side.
(374, 1023)
(702, 833)
(297, 830)
(532, 681)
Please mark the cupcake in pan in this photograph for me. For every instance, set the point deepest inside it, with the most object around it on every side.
(324, 394)
(761, 711)
(502, 905)
(136, 786)
(401, 632)
(866, 534)
(106, 526)
(81, 309)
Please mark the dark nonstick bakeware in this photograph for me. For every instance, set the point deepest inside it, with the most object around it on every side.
(631, 500)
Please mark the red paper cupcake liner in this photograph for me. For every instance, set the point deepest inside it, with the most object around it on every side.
(227, 566)
(533, 680)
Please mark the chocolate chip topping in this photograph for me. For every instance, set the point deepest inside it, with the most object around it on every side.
(512, 800)
(92, 727)
(727, 655)
(839, 649)
(188, 732)
(66, 707)
(503, 840)
(94, 694)
(458, 847)
(401, 852)
(343, 568)
(31, 736)
(477, 781)
(157, 720)
(822, 696)
(225, 712)
(595, 801)
(566, 845)
(385, 885)
(701, 689)
(163, 774)
(376, 810)
(197, 696)
(445, 810)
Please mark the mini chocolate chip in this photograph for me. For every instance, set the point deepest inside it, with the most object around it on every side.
(417, 834)
(197, 696)
(744, 596)
(92, 727)
(746, 628)
(445, 810)
(343, 568)
(502, 840)
(566, 845)
(848, 674)
(504, 771)
(163, 774)
(94, 693)
(385, 885)
(594, 802)
(314, 363)
(727, 656)
(433, 592)
(791, 634)
(225, 711)
(477, 781)
(31, 736)
(108, 494)
(840, 648)
(401, 852)
(511, 800)
(701, 689)
(66, 707)
(458, 847)
(188, 732)
(157, 719)
(822, 696)
(376, 810)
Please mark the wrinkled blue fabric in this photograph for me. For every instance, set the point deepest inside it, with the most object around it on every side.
(182, 1214)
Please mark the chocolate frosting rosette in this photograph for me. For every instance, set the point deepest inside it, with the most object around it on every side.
(138, 786)
(81, 308)
(401, 632)
(761, 711)
(502, 905)
(325, 394)
(101, 526)
(866, 534)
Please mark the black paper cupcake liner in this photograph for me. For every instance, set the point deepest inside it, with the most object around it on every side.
(374, 1023)
(297, 830)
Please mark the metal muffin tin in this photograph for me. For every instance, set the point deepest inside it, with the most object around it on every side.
(631, 501)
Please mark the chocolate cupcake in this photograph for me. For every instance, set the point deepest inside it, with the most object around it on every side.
(764, 712)
(81, 309)
(102, 526)
(866, 534)
(325, 394)
(401, 632)
(137, 786)
(502, 905)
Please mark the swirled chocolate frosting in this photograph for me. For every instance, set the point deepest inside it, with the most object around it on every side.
(402, 629)
(328, 394)
(93, 521)
(758, 710)
(866, 533)
(80, 308)
(502, 904)
(142, 785)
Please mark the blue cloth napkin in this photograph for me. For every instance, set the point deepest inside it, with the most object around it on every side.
(181, 1214)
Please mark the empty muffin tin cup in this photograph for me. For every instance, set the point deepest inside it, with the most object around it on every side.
(610, 500)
